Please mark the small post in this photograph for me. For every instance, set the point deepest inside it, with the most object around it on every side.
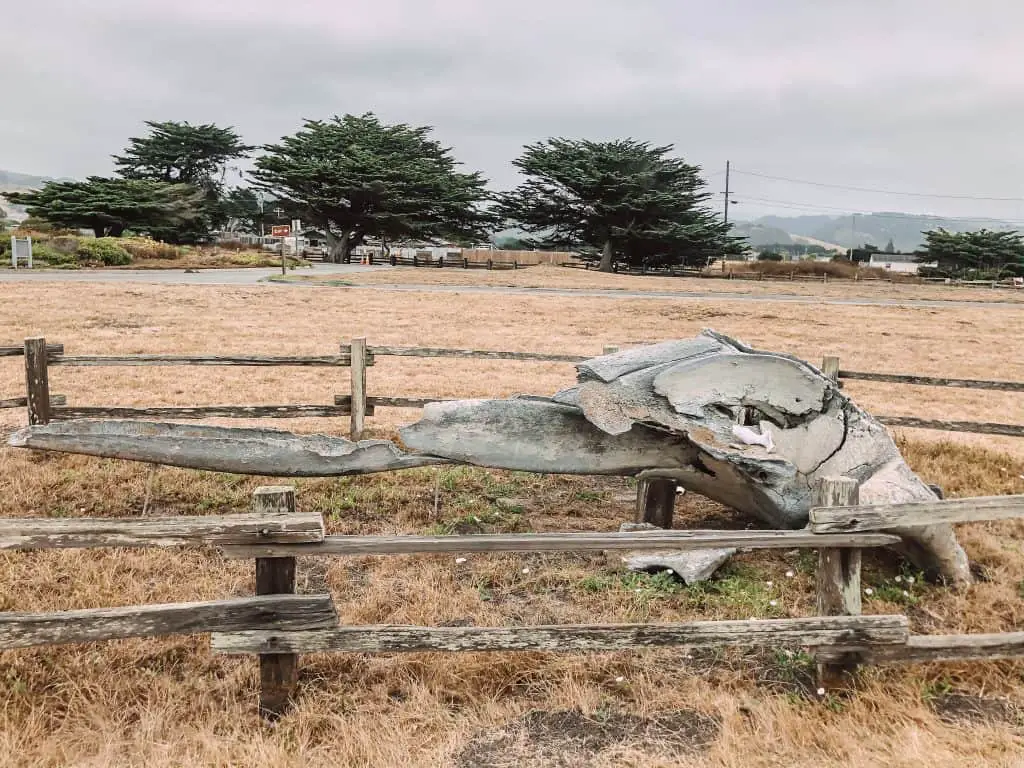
(279, 672)
(284, 263)
(656, 501)
(838, 579)
(490, 264)
(37, 381)
(357, 366)
(830, 367)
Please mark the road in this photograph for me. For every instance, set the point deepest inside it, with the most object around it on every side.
(243, 277)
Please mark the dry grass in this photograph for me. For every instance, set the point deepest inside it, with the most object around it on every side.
(170, 702)
(546, 276)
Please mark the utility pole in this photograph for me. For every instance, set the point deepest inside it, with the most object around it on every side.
(726, 191)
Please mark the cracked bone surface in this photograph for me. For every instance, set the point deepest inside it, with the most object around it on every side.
(665, 410)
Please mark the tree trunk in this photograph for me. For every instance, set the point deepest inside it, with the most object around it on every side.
(337, 247)
(116, 230)
(606, 257)
(98, 230)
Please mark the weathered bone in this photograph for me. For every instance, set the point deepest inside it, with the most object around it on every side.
(664, 410)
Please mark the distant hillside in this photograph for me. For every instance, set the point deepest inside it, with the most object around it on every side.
(16, 182)
(872, 229)
(761, 234)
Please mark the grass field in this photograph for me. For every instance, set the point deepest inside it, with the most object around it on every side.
(170, 702)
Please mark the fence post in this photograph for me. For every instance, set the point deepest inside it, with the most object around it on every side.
(830, 368)
(37, 381)
(656, 501)
(838, 579)
(357, 366)
(279, 672)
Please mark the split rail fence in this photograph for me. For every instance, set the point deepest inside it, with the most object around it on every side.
(277, 625)
(357, 356)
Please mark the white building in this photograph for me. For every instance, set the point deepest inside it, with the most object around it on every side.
(899, 262)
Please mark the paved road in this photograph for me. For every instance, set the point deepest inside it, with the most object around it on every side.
(255, 276)
(248, 276)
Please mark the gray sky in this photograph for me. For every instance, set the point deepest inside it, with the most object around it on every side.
(919, 96)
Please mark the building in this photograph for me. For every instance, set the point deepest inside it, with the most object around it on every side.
(898, 262)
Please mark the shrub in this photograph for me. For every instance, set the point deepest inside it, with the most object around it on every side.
(104, 250)
(68, 244)
(769, 256)
(51, 255)
(145, 248)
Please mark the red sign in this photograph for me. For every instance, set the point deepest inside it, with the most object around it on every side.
(280, 230)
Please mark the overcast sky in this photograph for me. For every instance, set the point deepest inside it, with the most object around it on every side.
(921, 96)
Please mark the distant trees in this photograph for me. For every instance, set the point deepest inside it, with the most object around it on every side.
(357, 177)
(983, 249)
(626, 199)
(110, 206)
(890, 247)
(181, 153)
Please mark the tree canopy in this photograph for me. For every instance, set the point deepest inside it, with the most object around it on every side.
(110, 206)
(181, 153)
(627, 199)
(357, 177)
(983, 249)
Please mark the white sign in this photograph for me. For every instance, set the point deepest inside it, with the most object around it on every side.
(21, 251)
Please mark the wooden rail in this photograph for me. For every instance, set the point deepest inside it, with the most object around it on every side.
(933, 381)
(881, 517)
(820, 631)
(220, 530)
(294, 612)
(19, 350)
(556, 542)
(202, 412)
(327, 361)
(22, 402)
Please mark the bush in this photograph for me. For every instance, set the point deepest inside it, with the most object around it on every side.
(145, 248)
(104, 250)
(769, 256)
(51, 255)
(68, 244)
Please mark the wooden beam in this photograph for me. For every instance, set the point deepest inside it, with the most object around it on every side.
(37, 381)
(393, 402)
(818, 631)
(260, 360)
(937, 648)
(358, 388)
(830, 367)
(838, 580)
(478, 353)
(19, 350)
(203, 412)
(558, 542)
(934, 381)
(22, 402)
(209, 530)
(655, 501)
(976, 427)
(279, 613)
(880, 517)
(279, 672)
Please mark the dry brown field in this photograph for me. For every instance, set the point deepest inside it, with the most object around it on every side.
(171, 702)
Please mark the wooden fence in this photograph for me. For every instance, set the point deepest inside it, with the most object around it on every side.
(277, 625)
(357, 356)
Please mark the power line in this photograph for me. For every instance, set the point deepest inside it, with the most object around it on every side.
(880, 191)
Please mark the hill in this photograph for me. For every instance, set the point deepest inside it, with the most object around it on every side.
(16, 182)
(872, 229)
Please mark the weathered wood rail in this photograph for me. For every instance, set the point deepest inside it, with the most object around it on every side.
(277, 624)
